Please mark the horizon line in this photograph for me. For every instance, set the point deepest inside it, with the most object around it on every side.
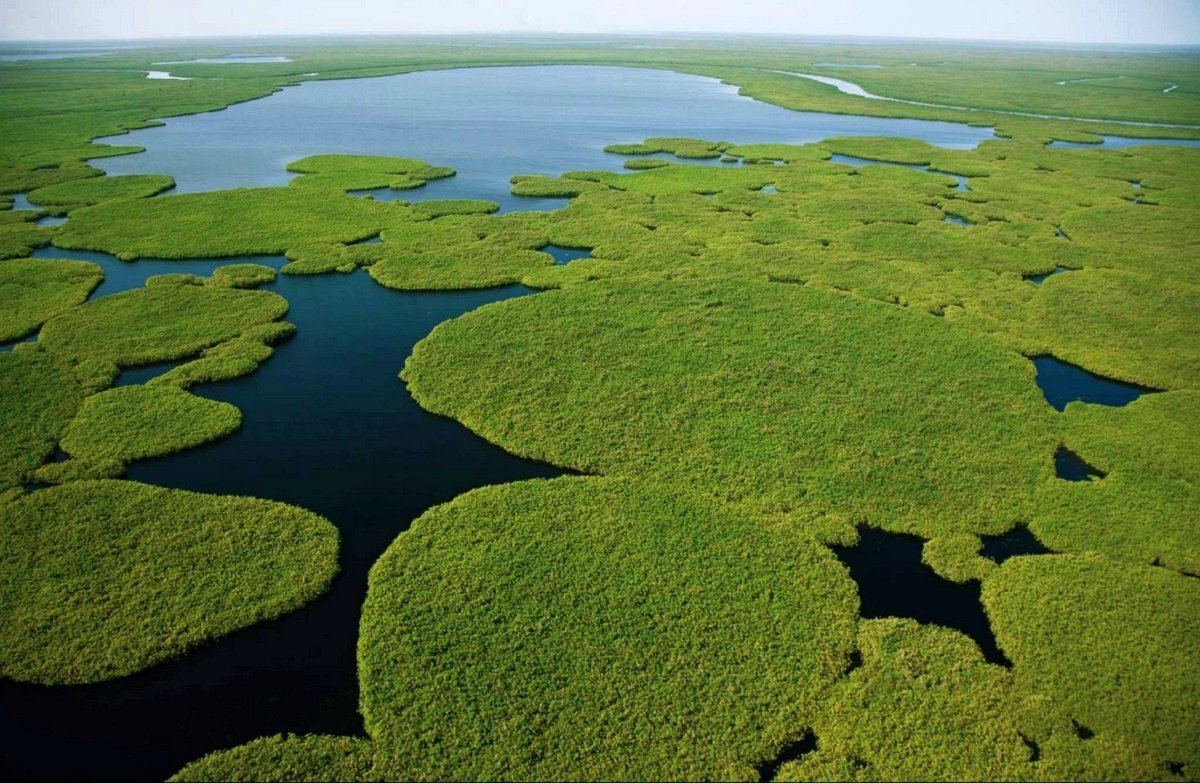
(639, 33)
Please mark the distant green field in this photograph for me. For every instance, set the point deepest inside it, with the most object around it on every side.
(754, 362)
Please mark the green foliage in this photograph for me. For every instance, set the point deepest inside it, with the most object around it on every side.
(260, 221)
(85, 192)
(1110, 644)
(1147, 507)
(243, 275)
(20, 238)
(100, 579)
(535, 658)
(365, 172)
(285, 757)
(923, 706)
(679, 147)
(158, 323)
(754, 394)
(32, 291)
(536, 185)
(137, 422)
(38, 394)
(478, 265)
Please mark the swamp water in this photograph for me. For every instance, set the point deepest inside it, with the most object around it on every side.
(327, 425)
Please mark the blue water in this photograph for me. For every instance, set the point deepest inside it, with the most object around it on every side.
(21, 202)
(50, 220)
(1058, 270)
(957, 221)
(327, 425)
(1068, 466)
(1062, 383)
(1120, 142)
(1018, 541)
(231, 59)
(488, 123)
(893, 582)
(565, 255)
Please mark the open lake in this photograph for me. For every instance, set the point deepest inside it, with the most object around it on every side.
(488, 123)
(327, 424)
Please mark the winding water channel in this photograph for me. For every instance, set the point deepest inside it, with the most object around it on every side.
(327, 424)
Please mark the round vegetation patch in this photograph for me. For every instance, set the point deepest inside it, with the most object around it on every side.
(285, 757)
(780, 399)
(1114, 645)
(158, 323)
(243, 275)
(595, 629)
(137, 422)
(100, 579)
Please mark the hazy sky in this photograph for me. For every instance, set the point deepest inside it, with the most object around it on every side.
(1100, 21)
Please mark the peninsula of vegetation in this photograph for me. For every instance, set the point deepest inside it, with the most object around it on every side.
(684, 391)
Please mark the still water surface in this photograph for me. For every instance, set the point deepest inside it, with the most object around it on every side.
(488, 123)
(327, 424)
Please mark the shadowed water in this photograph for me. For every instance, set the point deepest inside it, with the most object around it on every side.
(1058, 270)
(327, 425)
(1069, 466)
(893, 582)
(1018, 541)
(488, 123)
(1062, 383)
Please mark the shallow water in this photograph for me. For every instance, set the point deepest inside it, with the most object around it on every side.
(327, 426)
(1062, 383)
(850, 88)
(1069, 466)
(565, 255)
(488, 123)
(1058, 270)
(1120, 142)
(1018, 541)
(893, 582)
(231, 59)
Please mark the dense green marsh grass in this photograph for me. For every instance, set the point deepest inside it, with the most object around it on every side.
(86, 192)
(789, 365)
(1110, 644)
(33, 291)
(753, 394)
(39, 394)
(158, 323)
(101, 579)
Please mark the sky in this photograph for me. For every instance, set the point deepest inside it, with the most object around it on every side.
(1077, 21)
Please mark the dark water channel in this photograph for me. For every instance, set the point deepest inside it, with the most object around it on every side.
(1063, 383)
(893, 582)
(327, 426)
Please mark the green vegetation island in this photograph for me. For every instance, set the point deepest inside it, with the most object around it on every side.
(738, 420)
